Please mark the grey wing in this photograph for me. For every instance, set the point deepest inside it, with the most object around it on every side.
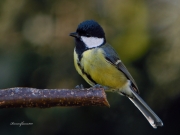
(113, 58)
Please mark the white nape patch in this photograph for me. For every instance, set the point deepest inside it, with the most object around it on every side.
(91, 42)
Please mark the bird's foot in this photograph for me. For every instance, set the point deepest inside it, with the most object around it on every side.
(97, 86)
(79, 86)
(100, 86)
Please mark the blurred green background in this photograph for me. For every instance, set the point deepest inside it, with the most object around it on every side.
(36, 51)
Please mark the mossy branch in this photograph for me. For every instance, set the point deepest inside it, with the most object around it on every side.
(21, 97)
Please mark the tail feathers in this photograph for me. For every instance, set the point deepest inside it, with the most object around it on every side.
(152, 118)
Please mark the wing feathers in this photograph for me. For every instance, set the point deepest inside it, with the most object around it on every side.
(113, 58)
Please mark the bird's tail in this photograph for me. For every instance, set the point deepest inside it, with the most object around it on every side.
(152, 118)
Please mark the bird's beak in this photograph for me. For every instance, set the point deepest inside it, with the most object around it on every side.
(74, 34)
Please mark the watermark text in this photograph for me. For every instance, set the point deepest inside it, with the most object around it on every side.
(21, 124)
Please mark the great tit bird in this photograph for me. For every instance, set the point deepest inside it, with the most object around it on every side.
(98, 63)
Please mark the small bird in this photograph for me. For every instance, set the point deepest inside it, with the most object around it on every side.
(98, 63)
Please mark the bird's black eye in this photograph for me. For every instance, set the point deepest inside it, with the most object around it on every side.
(87, 35)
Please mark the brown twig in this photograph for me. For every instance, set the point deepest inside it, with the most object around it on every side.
(21, 97)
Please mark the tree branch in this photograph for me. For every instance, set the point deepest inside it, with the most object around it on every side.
(21, 97)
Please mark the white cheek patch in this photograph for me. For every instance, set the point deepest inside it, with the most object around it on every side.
(91, 42)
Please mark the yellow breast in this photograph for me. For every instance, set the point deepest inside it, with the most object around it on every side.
(102, 72)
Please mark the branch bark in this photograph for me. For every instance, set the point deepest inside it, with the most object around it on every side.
(21, 97)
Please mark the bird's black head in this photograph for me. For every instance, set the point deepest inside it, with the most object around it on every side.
(89, 34)
(90, 28)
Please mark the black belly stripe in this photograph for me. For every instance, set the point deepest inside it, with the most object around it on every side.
(90, 78)
(87, 75)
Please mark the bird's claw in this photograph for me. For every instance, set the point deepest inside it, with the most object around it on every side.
(79, 86)
(100, 86)
(97, 86)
